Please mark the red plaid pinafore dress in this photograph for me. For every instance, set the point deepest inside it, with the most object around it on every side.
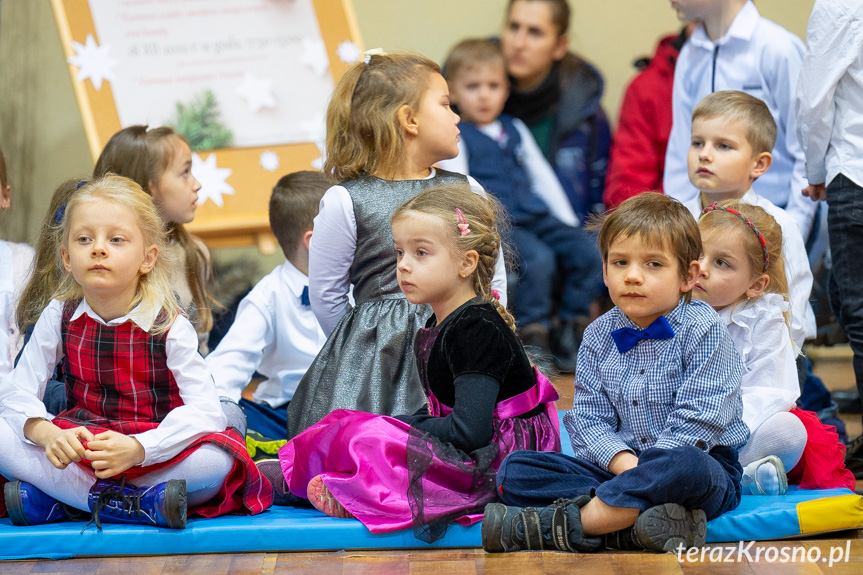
(117, 379)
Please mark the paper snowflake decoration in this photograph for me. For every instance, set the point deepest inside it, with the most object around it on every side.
(257, 92)
(212, 179)
(269, 161)
(318, 163)
(348, 52)
(315, 55)
(93, 61)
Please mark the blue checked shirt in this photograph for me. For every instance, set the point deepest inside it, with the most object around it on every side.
(661, 393)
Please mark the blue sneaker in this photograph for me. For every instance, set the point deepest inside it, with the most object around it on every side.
(162, 505)
(29, 505)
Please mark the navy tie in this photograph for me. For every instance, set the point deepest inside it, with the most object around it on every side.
(304, 297)
(626, 338)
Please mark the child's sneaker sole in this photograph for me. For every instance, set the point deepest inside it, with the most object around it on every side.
(323, 500)
(670, 528)
(175, 503)
(14, 503)
(492, 529)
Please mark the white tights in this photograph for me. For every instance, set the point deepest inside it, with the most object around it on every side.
(204, 471)
(782, 435)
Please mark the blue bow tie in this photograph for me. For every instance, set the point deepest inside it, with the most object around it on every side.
(626, 338)
(304, 297)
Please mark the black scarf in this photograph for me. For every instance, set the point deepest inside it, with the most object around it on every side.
(530, 107)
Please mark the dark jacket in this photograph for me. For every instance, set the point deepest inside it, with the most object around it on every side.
(578, 143)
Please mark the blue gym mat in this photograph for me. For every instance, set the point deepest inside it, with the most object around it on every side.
(799, 513)
(295, 529)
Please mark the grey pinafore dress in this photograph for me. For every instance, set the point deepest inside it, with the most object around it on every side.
(367, 363)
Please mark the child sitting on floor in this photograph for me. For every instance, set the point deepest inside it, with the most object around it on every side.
(484, 397)
(142, 404)
(743, 277)
(388, 123)
(656, 419)
(275, 331)
(500, 152)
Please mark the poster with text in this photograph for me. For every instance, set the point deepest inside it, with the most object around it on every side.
(258, 67)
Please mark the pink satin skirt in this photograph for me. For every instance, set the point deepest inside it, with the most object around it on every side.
(390, 476)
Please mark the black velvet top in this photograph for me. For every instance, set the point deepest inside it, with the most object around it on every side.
(471, 361)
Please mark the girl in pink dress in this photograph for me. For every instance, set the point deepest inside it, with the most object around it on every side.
(485, 400)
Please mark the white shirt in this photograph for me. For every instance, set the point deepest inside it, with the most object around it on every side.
(22, 390)
(830, 92)
(274, 334)
(15, 268)
(760, 58)
(769, 383)
(543, 180)
(331, 254)
(797, 270)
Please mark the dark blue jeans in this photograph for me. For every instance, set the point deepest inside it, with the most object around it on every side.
(548, 249)
(684, 475)
(845, 227)
(269, 421)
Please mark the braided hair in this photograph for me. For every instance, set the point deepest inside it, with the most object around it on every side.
(482, 215)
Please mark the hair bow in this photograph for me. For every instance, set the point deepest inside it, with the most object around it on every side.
(373, 52)
(463, 226)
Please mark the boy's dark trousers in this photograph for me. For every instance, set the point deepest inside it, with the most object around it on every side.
(548, 249)
(685, 475)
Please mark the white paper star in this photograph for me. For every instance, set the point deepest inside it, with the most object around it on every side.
(315, 55)
(257, 92)
(212, 179)
(93, 61)
(269, 161)
(318, 163)
(348, 52)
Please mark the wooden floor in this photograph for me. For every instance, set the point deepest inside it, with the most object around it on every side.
(833, 365)
(474, 562)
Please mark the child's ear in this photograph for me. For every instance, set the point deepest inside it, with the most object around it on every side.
(407, 120)
(67, 263)
(151, 254)
(763, 161)
(307, 239)
(604, 272)
(691, 277)
(5, 196)
(757, 287)
(468, 263)
(561, 48)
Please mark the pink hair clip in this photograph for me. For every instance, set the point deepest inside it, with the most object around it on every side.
(462, 223)
(495, 294)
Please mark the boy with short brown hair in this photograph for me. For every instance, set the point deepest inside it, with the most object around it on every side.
(656, 406)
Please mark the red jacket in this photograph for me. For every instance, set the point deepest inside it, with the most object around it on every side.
(638, 148)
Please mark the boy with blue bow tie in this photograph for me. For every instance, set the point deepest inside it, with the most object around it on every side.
(275, 332)
(656, 419)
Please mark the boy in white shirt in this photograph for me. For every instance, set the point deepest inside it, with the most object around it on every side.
(735, 48)
(275, 331)
(732, 135)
